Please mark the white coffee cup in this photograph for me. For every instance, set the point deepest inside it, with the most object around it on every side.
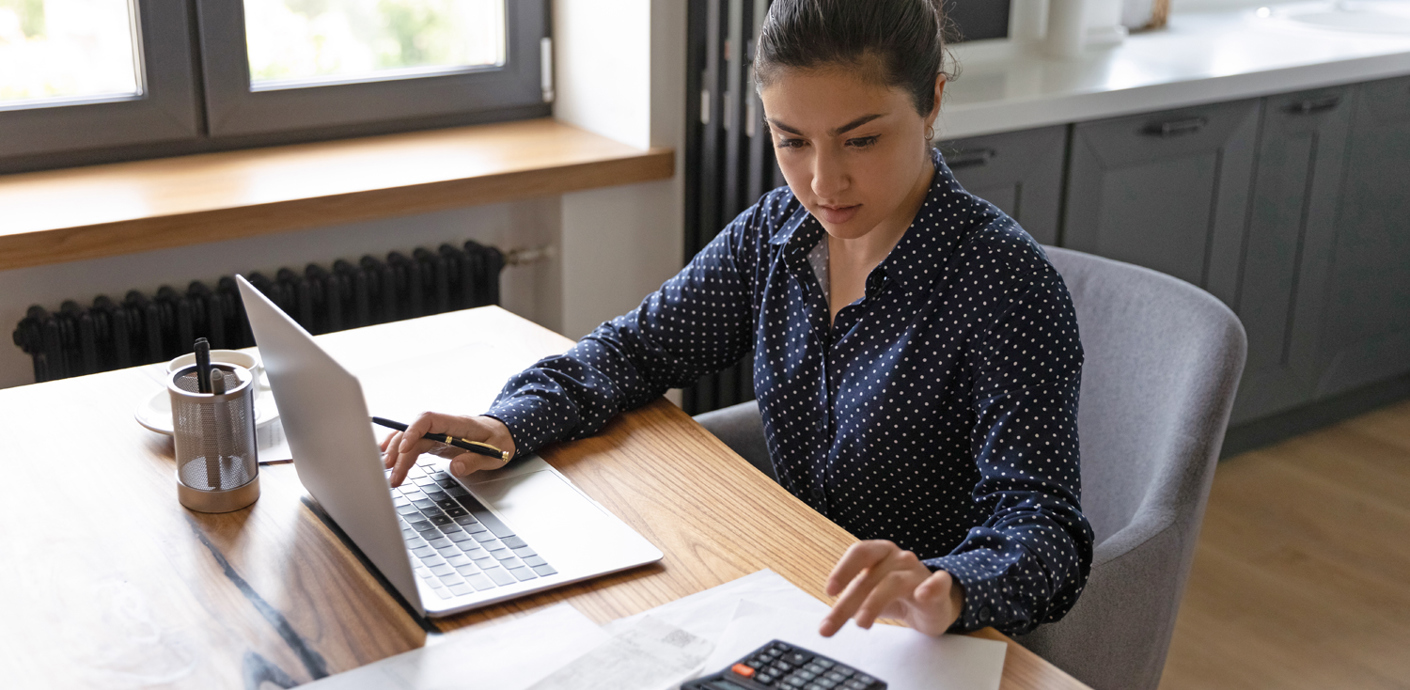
(236, 357)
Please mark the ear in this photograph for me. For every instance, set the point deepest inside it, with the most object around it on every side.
(935, 108)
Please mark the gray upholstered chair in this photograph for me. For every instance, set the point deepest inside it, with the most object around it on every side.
(1163, 360)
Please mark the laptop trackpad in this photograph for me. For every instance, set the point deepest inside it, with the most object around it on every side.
(567, 529)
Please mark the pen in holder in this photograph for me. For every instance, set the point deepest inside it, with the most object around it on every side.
(217, 470)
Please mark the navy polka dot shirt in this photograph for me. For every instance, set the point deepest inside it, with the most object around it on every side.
(938, 411)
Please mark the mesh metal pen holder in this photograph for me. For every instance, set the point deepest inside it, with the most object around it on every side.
(217, 469)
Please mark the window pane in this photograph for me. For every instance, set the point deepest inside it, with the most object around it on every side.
(302, 42)
(56, 50)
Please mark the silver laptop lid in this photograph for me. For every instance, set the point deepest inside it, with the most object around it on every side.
(336, 458)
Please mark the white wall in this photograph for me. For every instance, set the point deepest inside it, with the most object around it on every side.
(621, 66)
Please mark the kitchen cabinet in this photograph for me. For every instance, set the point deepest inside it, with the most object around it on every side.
(1020, 172)
(1288, 249)
(1366, 328)
(1169, 191)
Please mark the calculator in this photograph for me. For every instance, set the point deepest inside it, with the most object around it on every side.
(782, 666)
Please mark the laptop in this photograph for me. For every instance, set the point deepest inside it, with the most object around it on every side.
(447, 544)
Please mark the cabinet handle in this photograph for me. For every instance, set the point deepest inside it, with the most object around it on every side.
(1174, 128)
(1312, 105)
(969, 158)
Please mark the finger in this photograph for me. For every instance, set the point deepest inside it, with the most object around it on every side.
(895, 586)
(852, 597)
(389, 449)
(406, 457)
(935, 588)
(859, 556)
(467, 463)
(437, 423)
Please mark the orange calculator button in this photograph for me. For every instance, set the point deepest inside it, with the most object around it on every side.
(743, 670)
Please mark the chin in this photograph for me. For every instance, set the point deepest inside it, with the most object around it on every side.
(851, 230)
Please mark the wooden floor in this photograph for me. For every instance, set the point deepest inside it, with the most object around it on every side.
(1302, 574)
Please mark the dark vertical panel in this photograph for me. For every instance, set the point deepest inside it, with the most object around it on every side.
(1288, 248)
(1168, 191)
(1020, 172)
(1366, 335)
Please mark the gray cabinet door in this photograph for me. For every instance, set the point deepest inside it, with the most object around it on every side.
(1288, 248)
(1366, 337)
(1168, 191)
(1020, 172)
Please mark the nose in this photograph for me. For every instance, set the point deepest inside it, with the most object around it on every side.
(830, 176)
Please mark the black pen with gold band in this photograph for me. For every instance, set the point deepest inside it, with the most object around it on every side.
(466, 444)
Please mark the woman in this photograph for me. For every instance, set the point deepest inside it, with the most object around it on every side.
(916, 356)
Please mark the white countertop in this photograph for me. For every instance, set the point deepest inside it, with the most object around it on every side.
(1198, 58)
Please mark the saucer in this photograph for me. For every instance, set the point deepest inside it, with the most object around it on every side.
(155, 413)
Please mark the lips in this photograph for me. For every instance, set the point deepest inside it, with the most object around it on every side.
(837, 215)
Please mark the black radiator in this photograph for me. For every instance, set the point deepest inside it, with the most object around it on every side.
(142, 329)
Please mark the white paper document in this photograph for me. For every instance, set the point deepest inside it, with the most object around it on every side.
(505, 656)
(646, 656)
(904, 658)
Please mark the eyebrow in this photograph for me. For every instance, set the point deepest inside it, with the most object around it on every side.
(839, 130)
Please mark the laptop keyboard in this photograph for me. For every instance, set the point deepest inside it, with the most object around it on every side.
(457, 545)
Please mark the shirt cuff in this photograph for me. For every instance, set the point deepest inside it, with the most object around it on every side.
(529, 422)
(983, 596)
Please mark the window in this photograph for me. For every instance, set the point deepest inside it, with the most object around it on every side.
(91, 79)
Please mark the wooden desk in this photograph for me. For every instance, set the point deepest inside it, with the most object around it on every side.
(109, 582)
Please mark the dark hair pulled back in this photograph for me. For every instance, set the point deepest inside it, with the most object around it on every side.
(905, 38)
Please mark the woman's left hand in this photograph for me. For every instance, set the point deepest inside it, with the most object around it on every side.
(879, 580)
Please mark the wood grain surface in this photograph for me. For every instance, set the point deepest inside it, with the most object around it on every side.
(1301, 577)
(111, 583)
(84, 213)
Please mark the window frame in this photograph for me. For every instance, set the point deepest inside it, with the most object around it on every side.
(167, 109)
(234, 109)
(196, 95)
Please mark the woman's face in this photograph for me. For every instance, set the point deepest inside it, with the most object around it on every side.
(853, 150)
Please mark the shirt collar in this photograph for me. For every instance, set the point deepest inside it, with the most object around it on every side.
(942, 220)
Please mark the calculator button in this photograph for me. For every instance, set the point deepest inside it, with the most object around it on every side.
(765, 678)
(855, 684)
(835, 676)
(798, 658)
(743, 670)
(825, 663)
(782, 667)
(814, 667)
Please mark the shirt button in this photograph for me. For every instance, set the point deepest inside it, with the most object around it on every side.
(984, 614)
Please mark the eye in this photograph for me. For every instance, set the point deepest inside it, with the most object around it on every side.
(862, 142)
(790, 143)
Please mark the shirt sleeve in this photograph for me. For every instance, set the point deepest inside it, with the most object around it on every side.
(1028, 562)
(697, 323)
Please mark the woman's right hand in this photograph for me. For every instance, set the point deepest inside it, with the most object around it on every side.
(401, 448)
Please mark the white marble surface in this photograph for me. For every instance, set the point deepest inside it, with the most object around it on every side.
(1203, 57)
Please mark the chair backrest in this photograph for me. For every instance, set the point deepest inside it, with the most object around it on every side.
(1162, 364)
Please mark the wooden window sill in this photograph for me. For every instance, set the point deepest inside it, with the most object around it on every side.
(84, 213)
